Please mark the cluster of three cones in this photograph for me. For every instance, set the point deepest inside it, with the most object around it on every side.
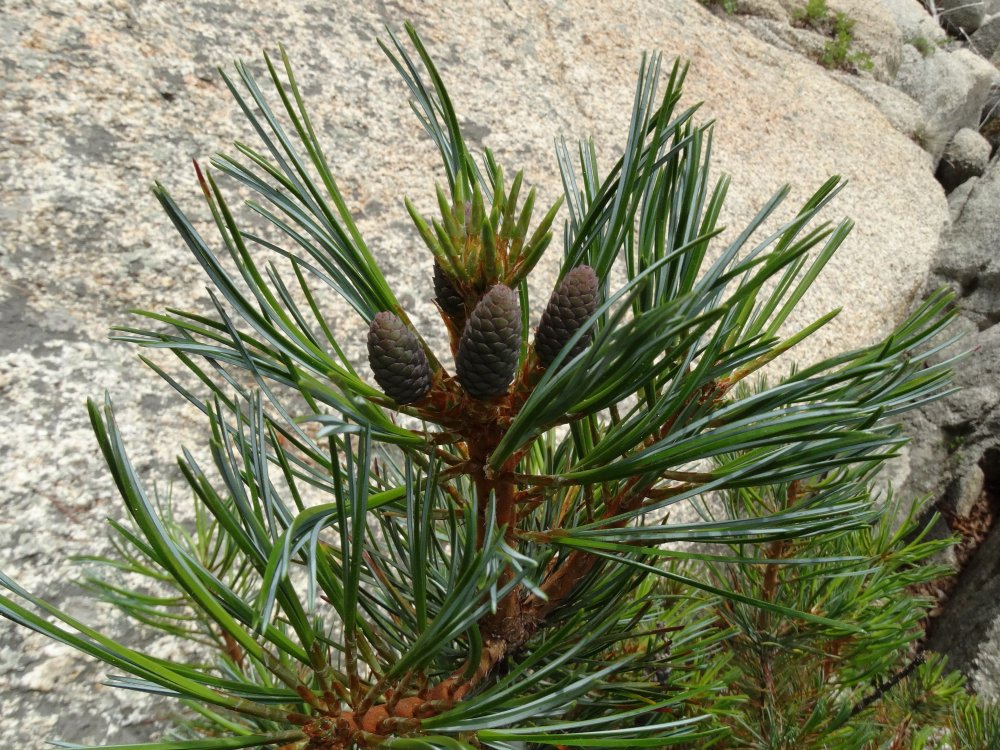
(490, 344)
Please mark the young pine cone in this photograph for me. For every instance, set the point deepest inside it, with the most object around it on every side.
(490, 345)
(572, 302)
(397, 361)
(446, 294)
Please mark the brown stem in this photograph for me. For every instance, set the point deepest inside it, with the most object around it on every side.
(458, 685)
(498, 624)
(519, 616)
(558, 584)
(560, 581)
(775, 551)
(778, 549)
(504, 628)
(454, 494)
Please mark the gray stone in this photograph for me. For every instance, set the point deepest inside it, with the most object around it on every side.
(986, 665)
(951, 88)
(876, 49)
(954, 454)
(913, 20)
(955, 440)
(917, 472)
(958, 197)
(967, 631)
(969, 257)
(960, 16)
(902, 112)
(962, 414)
(966, 156)
(772, 9)
(989, 119)
(802, 41)
(967, 415)
(966, 490)
(987, 37)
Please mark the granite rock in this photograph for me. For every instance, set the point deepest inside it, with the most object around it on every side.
(969, 260)
(961, 16)
(989, 118)
(954, 442)
(966, 156)
(876, 35)
(958, 197)
(986, 40)
(772, 9)
(902, 112)
(968, 631)
(969, 418)
(913, 20)
(965, 490)
(951, 88)
(102, 98)
(778, 33)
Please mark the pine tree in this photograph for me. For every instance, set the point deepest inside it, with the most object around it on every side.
(490, 562)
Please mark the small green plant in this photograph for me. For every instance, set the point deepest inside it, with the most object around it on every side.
(394, 554)
(956, 443)
(814, 13)
(728, 6)
(812, 687)
(923, 45)
(976, 725)
(837, 53)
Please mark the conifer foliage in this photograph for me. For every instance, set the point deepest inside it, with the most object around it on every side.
(391, 555)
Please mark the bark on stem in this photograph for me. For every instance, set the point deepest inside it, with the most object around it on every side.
(497, 626)
(505, 630)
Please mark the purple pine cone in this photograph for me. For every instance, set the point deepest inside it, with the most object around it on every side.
(570, 305)
(446, 294)
(397, 361)
(490, 345)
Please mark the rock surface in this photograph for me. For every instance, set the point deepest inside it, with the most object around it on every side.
(961, 16)
(969, 630)
(772, 9)
(875, 33)
(913, 20)
(877, 40)
(954, 453)
(969, 259)
(987, 37)
(965, 156)
(902, 112)
(990, 116)
(101, 98)
(958, 197)
(951, 88)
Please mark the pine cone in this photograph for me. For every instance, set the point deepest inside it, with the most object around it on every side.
(573, 301)
(399, 364)
(490, 344)
(446, 294)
